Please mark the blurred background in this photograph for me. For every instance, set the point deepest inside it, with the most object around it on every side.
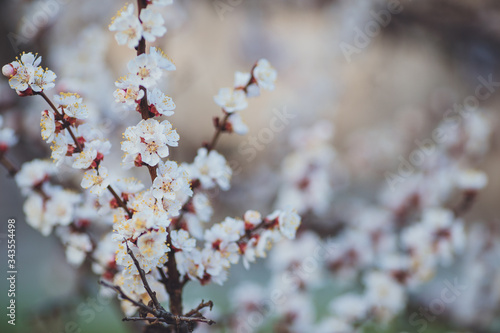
(381, 85)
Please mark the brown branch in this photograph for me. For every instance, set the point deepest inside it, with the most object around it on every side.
(221, 126)
(250, 233)
(142, 274)
(159, 314)
(179, 318)
(11, 168)
(80, 148)
(119, 200)
(219, 129)
(78, 145)
(174, 285)
(125, 297)
(141, 48)
(201, 306)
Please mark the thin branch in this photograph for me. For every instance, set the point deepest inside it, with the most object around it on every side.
(78, 145)
(80, 148)
(176, 318)
(221, 126)
(174, 285)
(125, 297)
(201, 306)
(11, 168)
(159, 315)
(164, 279)
(150, 292)
(249, 233)
(119, 200)
(219, 129)
(141, 48)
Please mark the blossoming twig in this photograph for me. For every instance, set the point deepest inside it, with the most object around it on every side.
(201, 306)
(150, 292)
(11, 168)
(159, 314)
(78, 145)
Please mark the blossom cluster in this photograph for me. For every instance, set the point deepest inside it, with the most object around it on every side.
(26, 75)
(130, 28)
(391, 249)
(232, 100)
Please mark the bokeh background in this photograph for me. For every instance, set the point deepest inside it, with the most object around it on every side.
(393, 89)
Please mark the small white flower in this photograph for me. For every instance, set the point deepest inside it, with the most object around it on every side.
(182, 241)
(162, 61)
(152, 245)
(60, 208)
(241, 79)
(144, 71)
(265, 74)
(215, 265)
(35, 214)
(231, 100)
(289, 222)
(237, 124)
(85, 158)
(77, 245)
(152, 24)
(48, 125)
(127, 26)
(72, 105)
(60, 147)
(190, 263)
(128, 92)
(202, 207)
(171, 187)
(160, 103)
(96, 180)
(43, 79)
(34, 173)
(150, 139)
(24, 73)
(210, 169)
(230, 230)
(252, 217)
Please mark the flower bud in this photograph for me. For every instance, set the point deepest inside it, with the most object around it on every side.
(8, 70)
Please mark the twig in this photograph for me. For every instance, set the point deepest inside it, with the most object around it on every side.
(119, 200)
(80, 148)
(174, 285)
(125, 297)
(78, 145)
(220, 128)
(201, 306)
(159, 314)
(150, 292)
(11, 168)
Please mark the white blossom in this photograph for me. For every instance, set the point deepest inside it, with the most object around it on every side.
(211, 169)
(265, 74)
(127, 26)
(160, 103)
(144, 71)
(182, 241)
(231, 100)
(152, 24)
(96, 180)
